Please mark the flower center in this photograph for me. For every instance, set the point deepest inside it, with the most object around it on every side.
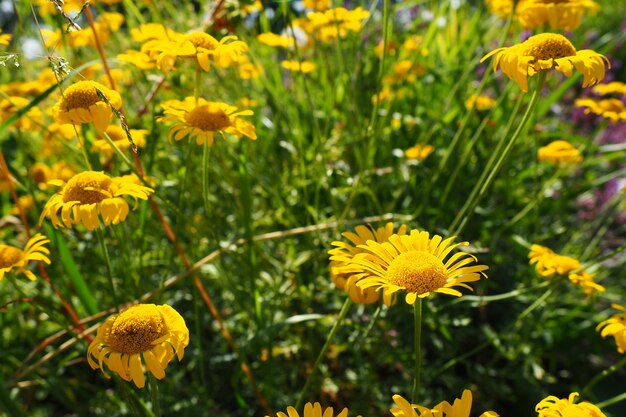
(87, 187)
(548, 46)
(9, 256)
(135, 328)
(207, 118)
(417, 271)
(203, 40)
(80, 96)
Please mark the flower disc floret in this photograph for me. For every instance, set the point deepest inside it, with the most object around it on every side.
(417, 265)
(546, 51)
(142, 335)
(81, 103)
(91, 195)
(13, 258)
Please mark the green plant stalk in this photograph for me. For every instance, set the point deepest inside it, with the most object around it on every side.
(539, 301)
(417, 312)
(611, 401)
(342, 314)
(154, 395)
(205, 177)
(599, 377)
(486, 180)
(107, 261)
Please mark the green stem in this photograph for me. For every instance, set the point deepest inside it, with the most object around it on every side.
(154, 395)
(329, 339)
(417, 310)
(198, 80)
(537, 302)
(606, 372)
(489, 176)
(205, 176)
(107, 261)
(611, 401)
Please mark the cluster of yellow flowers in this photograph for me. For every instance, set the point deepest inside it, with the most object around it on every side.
(611, 104)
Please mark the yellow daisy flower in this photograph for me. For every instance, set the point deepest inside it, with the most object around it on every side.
(461, 407)
(609, 108)
(419, 152)
(141, 60)
(480, 102)
(81, 103)
(413, 44)
(558, 14)
(24, 203)
(545, 51)
(414, 263)
(549, 263)
(201, 119)
(141, 335)
(90, 195)
(304, 67)
(585, 280)
(552, 406)
(274, 40)
(5, 38)
(344, 275)
(149, 31)
(15, 258)
(119, 138)
(614, 87)
(31, 121)
(336, 23)
(559, 152)
(313, 410)
(317, 5)
(616, 327)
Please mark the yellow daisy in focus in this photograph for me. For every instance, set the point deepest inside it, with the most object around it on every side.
(304, 67)
(616, 327)
(119, 138)
(313, 410)
(548, 263)
(81, 103)
(419, 152)
(546, 51)
(89, 196)
(559, 152)
(461, 407)
(414, 264)
(552, 406)
(201, 119)
(14, 258)
(609, 108)
(344, 275)
(141, 335)
(480, 102)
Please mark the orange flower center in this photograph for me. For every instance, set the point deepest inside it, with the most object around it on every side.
(80, 96)
(548, 46)
(87, 187)
(9, 256)
(208, 118)
(417, 271)
(203, 40)
(136, 328)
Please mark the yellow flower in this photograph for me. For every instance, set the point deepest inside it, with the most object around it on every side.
(405, 71)
(90, 195)
(413, 44)
(317, 5)
(5, 38)
(545, 51)
(419, 151)
(585, 280)
(558, 14)
(392, 48)
(480, 102)
(274, 40)
(344, 275)
(552, 406)
(15, 258)
(119, 138)
(31, 121)
(141, 335)
(549, 263)
(415, 264)
(24, 203)
(616, 327)
(139, 59)
(41, 173)
(609, 108)
(614, 87)
(460, 408)
(149, 31)
(559, 152)
(107, 23)
(202, 119)
(313, 410)
(336, 23)
(248, 70)
(81, 103)
(200, 46)
(304, 67)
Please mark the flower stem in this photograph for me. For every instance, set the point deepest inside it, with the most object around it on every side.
(417, 310)
(154, 395)
(611, 401)
(205, 176)
(329, 339)
(498, 158)
(107, 261)
(606, 372)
